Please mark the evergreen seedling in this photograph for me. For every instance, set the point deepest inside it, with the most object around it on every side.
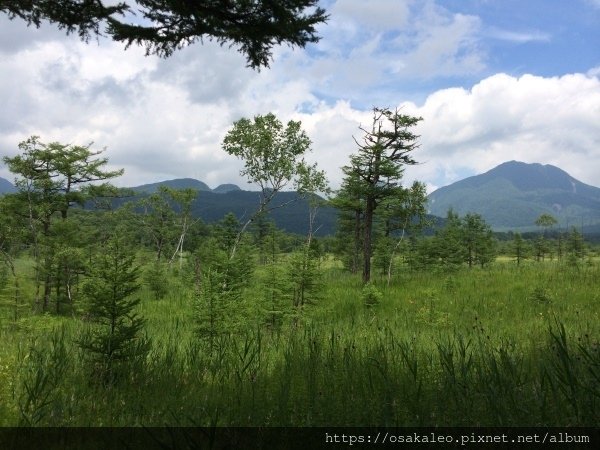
(118, 335)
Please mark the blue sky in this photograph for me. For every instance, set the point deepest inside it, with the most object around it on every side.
(545, 37)
(494, 80)
(542, 37)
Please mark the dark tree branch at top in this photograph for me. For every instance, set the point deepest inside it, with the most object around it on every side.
(253, 26)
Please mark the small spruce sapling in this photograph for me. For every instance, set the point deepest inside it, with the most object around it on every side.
(118, 335)
(156, 279)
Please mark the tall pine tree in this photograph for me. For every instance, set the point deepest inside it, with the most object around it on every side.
(378, 166)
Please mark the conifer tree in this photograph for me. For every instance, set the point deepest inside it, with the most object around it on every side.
(520, 249)
(156, 279)
(378, 167)
(164, 26)
(448, 242)
(575, 247)
(51, 178)
(276, 304)
(349, 202)
(304, 276)
(117, 336)
(461, 240)
(478, 240)
(211, 308)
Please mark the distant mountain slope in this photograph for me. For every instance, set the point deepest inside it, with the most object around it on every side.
(6, 187)
(514, 194)
(213, 205)
(293, 218)
(179, 183)
(223, 188)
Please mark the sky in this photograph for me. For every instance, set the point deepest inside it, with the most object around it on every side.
(493, 80)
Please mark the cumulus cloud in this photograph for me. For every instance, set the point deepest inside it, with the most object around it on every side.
(369, 46)
(530, 119)
(162, 119)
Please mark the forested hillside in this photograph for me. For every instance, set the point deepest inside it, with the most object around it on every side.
(513, 195)
(212, 205)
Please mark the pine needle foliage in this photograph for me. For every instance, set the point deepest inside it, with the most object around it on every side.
(117, 336)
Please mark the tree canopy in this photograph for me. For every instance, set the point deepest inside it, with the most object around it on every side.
(273, 158)
(375, 171)
(164, 26)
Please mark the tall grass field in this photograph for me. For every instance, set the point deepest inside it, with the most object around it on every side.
(502, 346)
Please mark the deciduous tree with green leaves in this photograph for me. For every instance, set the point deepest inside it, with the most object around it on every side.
(546, 221)
(273, 156)
(158, 220)
(182, 199)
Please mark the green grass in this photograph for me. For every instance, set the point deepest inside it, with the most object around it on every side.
(501, 346)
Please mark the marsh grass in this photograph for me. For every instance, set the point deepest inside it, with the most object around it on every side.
(470, 348)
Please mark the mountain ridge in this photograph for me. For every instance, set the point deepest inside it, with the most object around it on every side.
(211, 205)
(6, 187)
(510, 196)
(513, 194)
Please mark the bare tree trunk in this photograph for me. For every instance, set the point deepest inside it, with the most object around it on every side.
(369, 209)
(389, 271)
(264, 202)
(355, 256)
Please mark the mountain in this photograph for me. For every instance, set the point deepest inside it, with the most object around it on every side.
(293, 218)
(514, 194)
(212, 205)
(6, 187)
(224, 188)
(179, 183)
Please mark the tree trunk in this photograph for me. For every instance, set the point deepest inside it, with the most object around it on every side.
(368, 221)
(355, 255)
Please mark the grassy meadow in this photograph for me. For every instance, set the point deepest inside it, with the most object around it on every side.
(500, 346)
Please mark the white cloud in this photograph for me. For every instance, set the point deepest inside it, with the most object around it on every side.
(447, 45)
(530, 119)
(368, 46)
(519, 37)
(163, 119)
(594, 72)
(375, 14)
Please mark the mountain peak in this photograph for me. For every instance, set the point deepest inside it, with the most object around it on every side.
(178, 183)
(513, 194)
(227, 187)
(531, 176)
